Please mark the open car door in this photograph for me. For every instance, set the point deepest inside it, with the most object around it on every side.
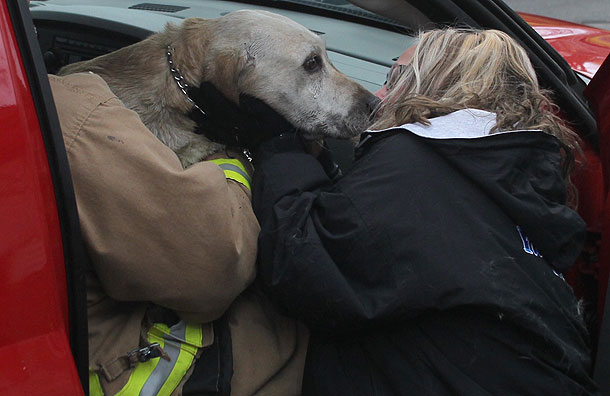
(589, 276)
(598, 94)
(42, 256)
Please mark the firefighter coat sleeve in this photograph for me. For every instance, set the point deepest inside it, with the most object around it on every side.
(184, 239)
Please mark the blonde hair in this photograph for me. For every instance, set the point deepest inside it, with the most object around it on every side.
(453, 69)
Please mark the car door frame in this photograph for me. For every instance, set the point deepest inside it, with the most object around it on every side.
(75, 257)
(598, 94)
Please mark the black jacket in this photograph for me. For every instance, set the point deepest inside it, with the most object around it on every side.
(433, 267)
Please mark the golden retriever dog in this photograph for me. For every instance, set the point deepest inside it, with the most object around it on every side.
(257, 53)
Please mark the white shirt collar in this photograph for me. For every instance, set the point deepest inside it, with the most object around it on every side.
(461, 124)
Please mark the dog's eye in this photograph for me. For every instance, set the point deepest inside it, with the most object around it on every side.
(313, 63)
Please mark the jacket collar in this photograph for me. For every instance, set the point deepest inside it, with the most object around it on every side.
(461, 124)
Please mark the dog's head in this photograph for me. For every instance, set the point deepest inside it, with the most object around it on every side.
(282, 63)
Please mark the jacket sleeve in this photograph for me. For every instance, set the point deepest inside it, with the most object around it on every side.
(312, 244)
(184, 239)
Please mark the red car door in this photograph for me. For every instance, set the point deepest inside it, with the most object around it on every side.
(598, 94)
(42, 342)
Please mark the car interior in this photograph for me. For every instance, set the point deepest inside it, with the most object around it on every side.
(362, 41)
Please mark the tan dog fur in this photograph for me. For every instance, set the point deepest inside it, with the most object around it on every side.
(254, 52)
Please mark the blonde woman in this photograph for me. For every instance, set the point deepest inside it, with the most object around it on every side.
(433, 266)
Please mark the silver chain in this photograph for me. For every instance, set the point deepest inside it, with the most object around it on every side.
(183, 85)
(179, 78)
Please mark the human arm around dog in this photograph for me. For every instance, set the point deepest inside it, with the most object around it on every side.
(182, 239)
(308, 226)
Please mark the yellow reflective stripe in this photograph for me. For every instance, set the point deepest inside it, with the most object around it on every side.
(194, 336)
(234, 170)
(230, 174)
(230, 161)
(95, 388)
(143, 370)
(188, 351)
(157, 331)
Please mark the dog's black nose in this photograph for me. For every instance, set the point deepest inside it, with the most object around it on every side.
(372, 102)
(372, 105)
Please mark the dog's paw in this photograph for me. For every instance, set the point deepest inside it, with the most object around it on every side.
(196, 151)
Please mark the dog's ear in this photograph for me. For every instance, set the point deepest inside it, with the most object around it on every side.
(232, 69)
(247, 64)
(225, 72)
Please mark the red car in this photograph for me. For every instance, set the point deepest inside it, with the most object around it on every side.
(43, 348)
(584, 48)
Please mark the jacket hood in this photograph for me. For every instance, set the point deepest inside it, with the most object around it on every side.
(520, 170)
